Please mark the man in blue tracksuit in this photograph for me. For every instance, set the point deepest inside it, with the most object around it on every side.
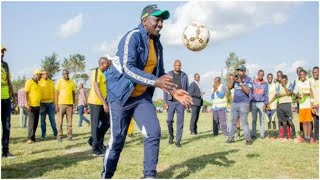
(260, 98)
(135, 72)
(181, 80)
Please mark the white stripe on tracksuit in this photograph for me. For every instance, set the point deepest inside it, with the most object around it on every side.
(125, 60)
(106, 156)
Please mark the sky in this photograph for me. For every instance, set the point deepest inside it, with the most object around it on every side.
(270, 35)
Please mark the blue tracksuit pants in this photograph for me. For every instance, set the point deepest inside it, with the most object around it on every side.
(144, 113)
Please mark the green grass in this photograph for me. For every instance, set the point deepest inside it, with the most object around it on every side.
(202, 156)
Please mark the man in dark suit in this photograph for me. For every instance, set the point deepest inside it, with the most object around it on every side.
(196, 94)
(181, 80)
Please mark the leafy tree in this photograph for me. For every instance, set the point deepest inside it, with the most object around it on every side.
(158, 103)
(232, 62)
(51, 65)
(76, 64)
(18, 83)
(309, 73)
(207, 103)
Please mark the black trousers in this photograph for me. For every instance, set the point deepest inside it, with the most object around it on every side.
(34, 115)
(100, 123)
(194, 119)
(5, 120)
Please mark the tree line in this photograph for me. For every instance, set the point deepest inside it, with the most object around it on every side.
(75, 63)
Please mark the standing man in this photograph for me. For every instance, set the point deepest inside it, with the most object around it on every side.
(302, 90)
(47, 105)
(259, 103)
(65, 99)
(82, 103)
(231, 77)
(219, 107)
(181, 80)
(284, 112)
(271, 107)
(196, 94)
(33, 95)
(6, 95)
(134, 74)
(99, 110)
(23, 112)
(242, 85)
(301, 134)
(314, 81)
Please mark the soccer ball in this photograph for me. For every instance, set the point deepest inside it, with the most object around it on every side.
(196, 36)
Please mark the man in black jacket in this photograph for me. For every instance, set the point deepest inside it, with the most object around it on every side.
(181, 80)
(196, 94)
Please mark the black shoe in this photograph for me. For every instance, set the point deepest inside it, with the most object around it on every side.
(230, 140)
(89, 142)
(98, 153)
(8, 155)
(253, 137)
(178, 145)
(171, 140)
(103, 148)
(248, 142)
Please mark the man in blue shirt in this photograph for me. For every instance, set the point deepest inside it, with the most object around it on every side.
(242, 85)
(260, 100)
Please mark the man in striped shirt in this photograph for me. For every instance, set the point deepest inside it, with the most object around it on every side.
(21, 103)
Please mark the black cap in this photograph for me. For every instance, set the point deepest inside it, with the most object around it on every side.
(153, 10)
(241, 68)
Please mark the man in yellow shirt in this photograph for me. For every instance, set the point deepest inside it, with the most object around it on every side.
(65, 98)
(6, 95)
(99, 110)
(47, 104)
(33, 95)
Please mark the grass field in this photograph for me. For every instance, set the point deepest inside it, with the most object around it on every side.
(202, 156)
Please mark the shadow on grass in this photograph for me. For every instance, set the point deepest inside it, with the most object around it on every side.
(138, 138)
(37, 168)
(197, 137)
(254, 155)
(15, 140)
(197, 163)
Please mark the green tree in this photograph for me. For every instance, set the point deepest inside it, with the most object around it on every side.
(76, 64)
(18, 83)
(51, 65)
(207, 103)
(309, 73)
(158, 103)
(232, 62)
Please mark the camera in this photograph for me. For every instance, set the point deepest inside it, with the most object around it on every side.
(236, 77)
